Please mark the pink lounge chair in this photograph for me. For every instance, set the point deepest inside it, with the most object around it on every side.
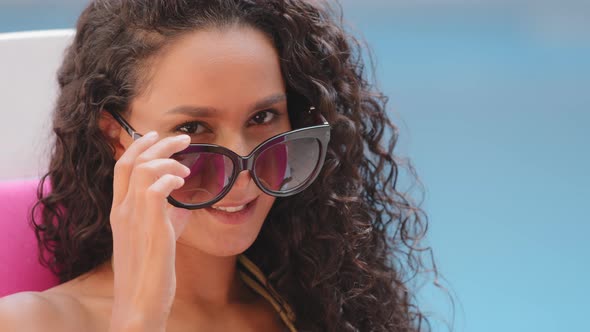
(20, 269)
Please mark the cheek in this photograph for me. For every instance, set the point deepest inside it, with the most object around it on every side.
(265, 202)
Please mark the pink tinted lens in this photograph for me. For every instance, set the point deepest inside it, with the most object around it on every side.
(285, 166)
(210, 175)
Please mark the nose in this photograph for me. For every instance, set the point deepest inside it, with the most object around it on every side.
(235, 142)
(243, 181)
(238, 144)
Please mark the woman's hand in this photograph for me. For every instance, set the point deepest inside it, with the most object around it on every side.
(144, 236)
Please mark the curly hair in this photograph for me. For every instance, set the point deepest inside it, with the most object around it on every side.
(342, 252)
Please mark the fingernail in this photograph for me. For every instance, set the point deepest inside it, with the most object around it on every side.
(151, 134)
(183, 137)
(187, 171)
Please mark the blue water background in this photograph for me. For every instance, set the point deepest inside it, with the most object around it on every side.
(493, 106)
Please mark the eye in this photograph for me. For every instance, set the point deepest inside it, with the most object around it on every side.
(191, 128)
(263, 117)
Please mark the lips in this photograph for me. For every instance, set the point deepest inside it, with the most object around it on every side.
(233, 214)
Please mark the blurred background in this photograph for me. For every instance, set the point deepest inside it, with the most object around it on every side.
(492, 99)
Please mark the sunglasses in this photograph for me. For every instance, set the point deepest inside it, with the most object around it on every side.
(281, 166)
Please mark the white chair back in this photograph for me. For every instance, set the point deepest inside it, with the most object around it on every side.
(28, 88)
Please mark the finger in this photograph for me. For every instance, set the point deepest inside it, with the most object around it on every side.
(125, 164)
(164, 148)
(144, 175)
(156, 194)
(179, 218)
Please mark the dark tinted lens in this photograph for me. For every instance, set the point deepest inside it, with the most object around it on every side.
(210, 175)
(285, 166)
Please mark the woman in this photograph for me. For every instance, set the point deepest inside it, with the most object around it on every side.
(149, 233)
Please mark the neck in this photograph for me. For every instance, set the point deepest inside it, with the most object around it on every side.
(204, 278)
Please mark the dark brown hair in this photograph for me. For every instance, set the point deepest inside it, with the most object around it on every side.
(342, 252)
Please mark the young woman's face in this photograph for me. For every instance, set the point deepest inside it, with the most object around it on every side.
(222, 87)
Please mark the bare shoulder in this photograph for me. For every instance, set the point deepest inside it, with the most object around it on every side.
(62, 308)
(34, 311)
(81, 304)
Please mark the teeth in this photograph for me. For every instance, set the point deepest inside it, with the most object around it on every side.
(230, 208)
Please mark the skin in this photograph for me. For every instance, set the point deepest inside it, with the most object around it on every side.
(160, 252)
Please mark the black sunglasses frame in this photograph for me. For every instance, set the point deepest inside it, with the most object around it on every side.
(320, 132)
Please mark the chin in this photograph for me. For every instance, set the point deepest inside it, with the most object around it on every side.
(225, 234)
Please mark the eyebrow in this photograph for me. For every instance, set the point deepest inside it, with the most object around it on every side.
(205, 111)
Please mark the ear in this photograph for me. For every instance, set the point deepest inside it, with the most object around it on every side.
(112, 132)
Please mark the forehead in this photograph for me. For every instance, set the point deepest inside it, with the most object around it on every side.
(222, 68)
